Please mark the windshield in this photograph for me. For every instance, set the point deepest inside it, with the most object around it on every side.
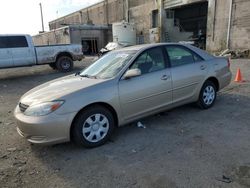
(109, 65)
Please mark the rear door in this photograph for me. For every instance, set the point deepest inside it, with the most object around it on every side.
(5, 53)
(21, 53)
(149, 91)
(188, 71)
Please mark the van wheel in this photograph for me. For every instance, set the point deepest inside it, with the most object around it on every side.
(93, 127)
(207, 95)
(64, 64)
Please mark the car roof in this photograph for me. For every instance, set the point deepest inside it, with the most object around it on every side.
(205, 55)
(13, 35)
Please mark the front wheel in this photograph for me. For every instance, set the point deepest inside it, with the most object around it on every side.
(207, 95)
(64, 64)
(93, 126)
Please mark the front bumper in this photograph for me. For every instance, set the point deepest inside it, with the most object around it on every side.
(50, 129)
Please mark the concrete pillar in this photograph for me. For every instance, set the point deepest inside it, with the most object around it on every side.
(161, 13)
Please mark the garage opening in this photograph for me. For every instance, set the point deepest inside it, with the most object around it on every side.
(188, 23)
(89, 46)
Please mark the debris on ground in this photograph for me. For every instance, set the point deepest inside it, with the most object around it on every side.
(224, 179)
(225, 52)
(20, 163)
(11, 149)
(140, 125)
(245, 53)
(133, 151)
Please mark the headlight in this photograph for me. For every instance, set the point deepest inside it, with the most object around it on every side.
(43, 109)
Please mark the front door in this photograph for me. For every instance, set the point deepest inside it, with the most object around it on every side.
(150, 91)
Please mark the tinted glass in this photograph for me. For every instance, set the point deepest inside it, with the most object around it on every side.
(179, 56)
(13, 42)
(150, 61)
(4, 42)
(18, 42)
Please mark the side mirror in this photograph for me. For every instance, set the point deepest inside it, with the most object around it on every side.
(132, 73)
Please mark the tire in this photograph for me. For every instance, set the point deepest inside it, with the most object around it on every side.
(52, 65)
(207, 95)
(93, 127)
(64, 64)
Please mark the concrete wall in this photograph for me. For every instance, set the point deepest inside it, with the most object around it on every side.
(99, 14)
(218, 20)
(141, 16)
(59, 36)
(102, 36)
(240, 25)
(217, 25)
(140, 13)
(73, 35)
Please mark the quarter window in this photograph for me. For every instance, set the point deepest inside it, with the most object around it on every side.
(150, 61)
(180, 56)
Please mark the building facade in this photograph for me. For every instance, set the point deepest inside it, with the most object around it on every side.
(221, 24)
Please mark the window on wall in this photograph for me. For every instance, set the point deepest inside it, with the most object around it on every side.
(155, 15)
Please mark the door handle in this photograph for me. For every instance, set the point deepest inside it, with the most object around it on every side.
(165, 77)
(203, 67)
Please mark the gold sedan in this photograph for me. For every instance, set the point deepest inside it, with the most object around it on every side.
(121, 87)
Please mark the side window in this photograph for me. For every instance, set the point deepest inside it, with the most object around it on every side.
(180, 56)
(4, 42)
(150, 61)
(18, 42)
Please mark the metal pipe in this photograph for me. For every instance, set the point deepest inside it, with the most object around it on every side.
(107, 11)
(229, 24)
(41, 9)
(214, 20)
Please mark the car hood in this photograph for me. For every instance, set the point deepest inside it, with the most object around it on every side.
(57, 89)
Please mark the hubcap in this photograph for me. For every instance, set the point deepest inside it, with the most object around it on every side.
(95, 128)
(65, 64)
(208, 95)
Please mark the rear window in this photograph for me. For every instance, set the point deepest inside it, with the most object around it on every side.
(181, 56)
(13, 42)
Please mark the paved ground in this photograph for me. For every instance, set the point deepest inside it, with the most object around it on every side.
(184, 147)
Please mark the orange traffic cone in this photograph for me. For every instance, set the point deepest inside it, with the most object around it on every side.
(238, 77)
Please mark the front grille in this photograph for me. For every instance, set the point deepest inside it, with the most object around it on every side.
(23, 107)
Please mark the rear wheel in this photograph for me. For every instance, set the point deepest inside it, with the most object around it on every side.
(208, 95)
(64, 64)
(93, 126)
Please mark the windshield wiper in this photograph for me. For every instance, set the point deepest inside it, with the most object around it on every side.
(77, 73)
(88, 76)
